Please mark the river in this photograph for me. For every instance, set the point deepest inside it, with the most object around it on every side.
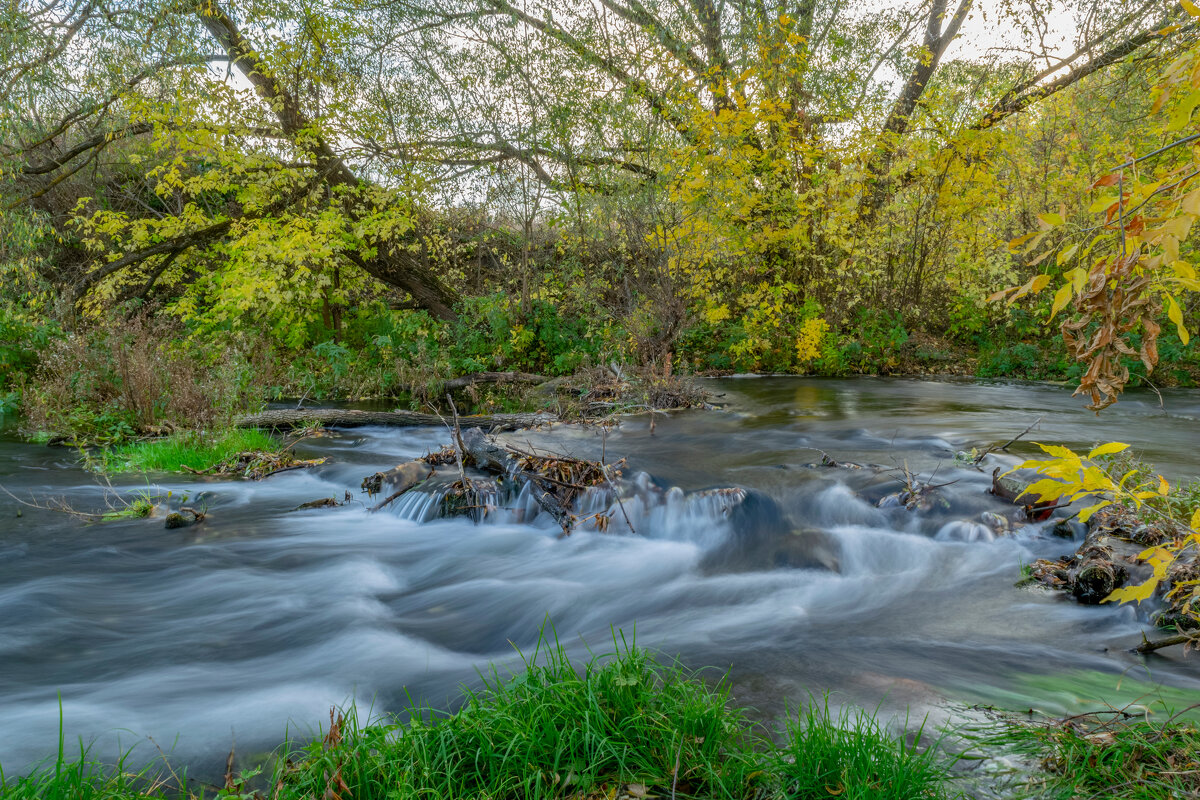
(262, 617)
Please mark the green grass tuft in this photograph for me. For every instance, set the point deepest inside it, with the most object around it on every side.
(852, 757)
(553, 732)
(196, 450)
(140, 508)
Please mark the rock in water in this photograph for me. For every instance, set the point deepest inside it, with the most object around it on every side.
(182, 518)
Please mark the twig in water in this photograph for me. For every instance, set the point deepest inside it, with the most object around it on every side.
(979, 458)
(458, 453)
(613, 486)
(1148, 646)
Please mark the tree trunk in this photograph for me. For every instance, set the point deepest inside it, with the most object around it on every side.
(392, 263)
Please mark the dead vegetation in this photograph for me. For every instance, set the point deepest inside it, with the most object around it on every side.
(115, 382)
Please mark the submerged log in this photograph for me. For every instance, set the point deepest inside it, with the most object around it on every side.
(289, 418)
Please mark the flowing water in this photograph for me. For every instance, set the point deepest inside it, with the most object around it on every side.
(263, 616)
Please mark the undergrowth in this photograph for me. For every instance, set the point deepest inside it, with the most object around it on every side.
(625, 725)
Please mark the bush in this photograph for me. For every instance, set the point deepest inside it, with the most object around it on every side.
(106, 384)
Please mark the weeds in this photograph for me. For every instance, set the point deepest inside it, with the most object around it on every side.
(110, 384)
(1110, 754)
(117, 506)
(90, 779)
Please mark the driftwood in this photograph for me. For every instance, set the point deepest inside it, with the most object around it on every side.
(289, 418)
(492, 377)
(397, 480)
(1191, 639)
(492, 457)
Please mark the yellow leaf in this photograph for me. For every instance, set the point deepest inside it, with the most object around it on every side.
(1061, 298)
(1177, 227)
(1182, 114)
(1175, 314)
(1108, 449)
(1058, 451)
(1195, 523)
(1046, 489)
(1191, 202)
(1020, 240)
(1050, 220)
(1190, 7)
(1086, 513)
(1065, 255)
(1078, 279)
(1163, 486)
(1139, 593)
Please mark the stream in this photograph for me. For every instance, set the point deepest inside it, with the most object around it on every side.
(260, 618)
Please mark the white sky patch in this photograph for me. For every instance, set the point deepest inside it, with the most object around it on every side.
(988, 32)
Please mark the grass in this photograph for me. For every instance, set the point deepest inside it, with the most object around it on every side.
(852, 757)
(87, 778)
(190, 450)
(619, 725)
(1108, 755)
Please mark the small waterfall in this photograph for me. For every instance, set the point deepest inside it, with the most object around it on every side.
(965, 531)
(840, 505)
(637, 506)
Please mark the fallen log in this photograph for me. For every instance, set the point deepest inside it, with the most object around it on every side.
(464, 381)
(289, 418)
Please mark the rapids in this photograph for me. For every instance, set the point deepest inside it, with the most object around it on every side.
(262, 617)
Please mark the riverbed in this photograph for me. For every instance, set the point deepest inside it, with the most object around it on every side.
(259, 619)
